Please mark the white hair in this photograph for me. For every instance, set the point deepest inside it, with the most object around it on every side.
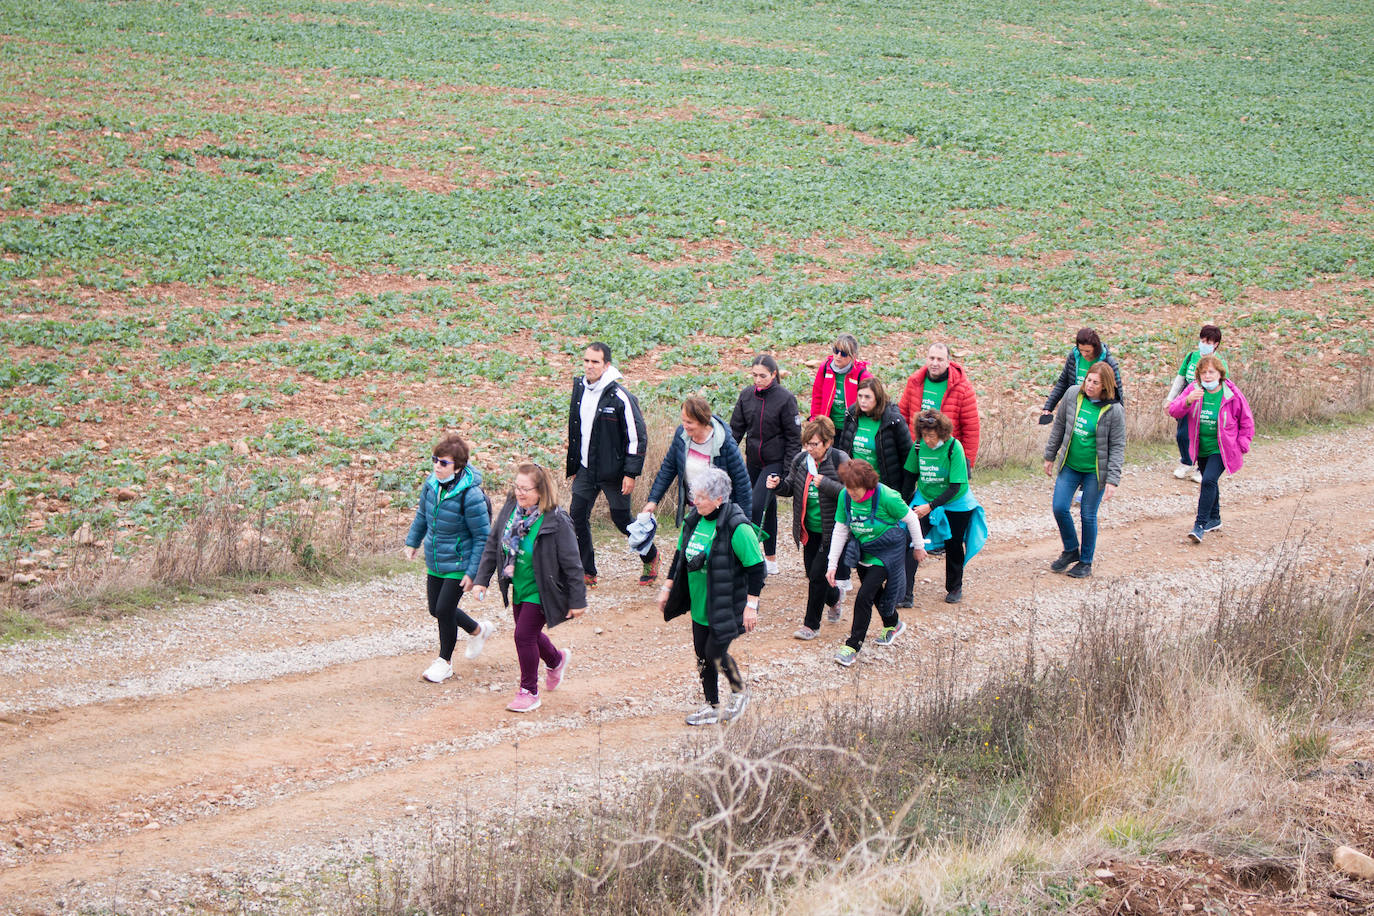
(713, 483)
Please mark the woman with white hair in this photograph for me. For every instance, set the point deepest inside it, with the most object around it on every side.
(716, 576)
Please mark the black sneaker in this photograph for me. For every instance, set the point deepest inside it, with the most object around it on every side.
(1066, 559)
(955, 596)
(905, 602)
(1081, 571)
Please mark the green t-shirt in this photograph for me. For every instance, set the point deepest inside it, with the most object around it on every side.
(937, 468)
(1083, 366)
(865, 447)
(933, 393)
(837, 404)
(1083, 440)
(813, 505)
(867, 525)
(1207, 427)
(523, 586)
(744, 542)
(1188, 369)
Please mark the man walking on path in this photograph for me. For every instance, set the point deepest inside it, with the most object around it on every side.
(605, 453)
(942, 385)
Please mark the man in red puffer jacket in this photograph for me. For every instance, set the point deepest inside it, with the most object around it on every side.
(942, 385)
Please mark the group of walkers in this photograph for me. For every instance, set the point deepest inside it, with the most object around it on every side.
(876, 487)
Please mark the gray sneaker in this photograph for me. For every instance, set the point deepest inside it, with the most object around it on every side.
(706, 715)
(889, 634)
(1196, 534)
(804, 633)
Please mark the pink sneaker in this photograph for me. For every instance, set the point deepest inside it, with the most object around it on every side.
(555, 675)
(524, 701)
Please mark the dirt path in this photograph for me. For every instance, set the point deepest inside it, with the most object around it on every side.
(197, 756)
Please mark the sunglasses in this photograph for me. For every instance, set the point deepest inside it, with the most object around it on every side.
(838, 352)
(927, 422)
(442, 462)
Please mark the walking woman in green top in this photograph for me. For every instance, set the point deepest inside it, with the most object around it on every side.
(716, 577)
(533, 551)
(1087, 447)
(940, 470)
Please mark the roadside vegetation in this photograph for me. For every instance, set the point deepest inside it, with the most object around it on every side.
(1213, 750)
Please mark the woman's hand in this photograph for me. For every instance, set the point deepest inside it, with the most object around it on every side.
(1107, 491)
(663, 594)
(627, 486)
(1049, 468)
(751, 619)
(1194, 395)
(480, 593)
(466, 583)
(649, 507)
(576, 611)
(772, 481)
(410, 552)
(921, 555)
(830, 577)
(922, 510)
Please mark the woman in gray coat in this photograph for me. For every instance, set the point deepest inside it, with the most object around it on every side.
(1087, 449)
(533, 551)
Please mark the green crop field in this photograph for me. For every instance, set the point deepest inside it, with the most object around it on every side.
(295, 239)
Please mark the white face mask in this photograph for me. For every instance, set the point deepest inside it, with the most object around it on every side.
(1206, 349)
(1212, 386)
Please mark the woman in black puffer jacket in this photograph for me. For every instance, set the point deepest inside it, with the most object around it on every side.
(767, 414)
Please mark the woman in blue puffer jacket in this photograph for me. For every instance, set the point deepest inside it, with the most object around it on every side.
(451, 523)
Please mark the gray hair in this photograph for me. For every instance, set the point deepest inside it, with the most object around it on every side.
(713, 483)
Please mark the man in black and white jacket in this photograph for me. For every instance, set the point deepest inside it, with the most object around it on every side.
(605, 453)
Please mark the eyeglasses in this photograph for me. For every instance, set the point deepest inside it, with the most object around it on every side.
(838, 352)
(442, 462)
(520, 489)
(927, 422)
(815, 443)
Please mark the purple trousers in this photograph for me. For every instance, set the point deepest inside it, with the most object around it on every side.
(532, 644)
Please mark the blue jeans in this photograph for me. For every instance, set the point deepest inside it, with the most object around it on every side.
(1209, 494)
(1065, 485)
(1182, 441)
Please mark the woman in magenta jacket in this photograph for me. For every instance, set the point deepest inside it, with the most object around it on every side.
(1220, 428)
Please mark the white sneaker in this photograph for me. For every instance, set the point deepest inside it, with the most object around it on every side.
(437, 672)
(1196, 476)
(738, 699)
(771, 566)
(706, 715)
(1182, 471)
(479, 639)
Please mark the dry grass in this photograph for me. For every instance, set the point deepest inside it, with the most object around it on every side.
(236, 541)
(1133, 742)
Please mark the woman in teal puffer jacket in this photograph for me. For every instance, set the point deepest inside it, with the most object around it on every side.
(451, 524)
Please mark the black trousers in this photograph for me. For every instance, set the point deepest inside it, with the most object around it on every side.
(584, 492)
(954, 552)
(444, 595)
(819, 592)
(713, 659)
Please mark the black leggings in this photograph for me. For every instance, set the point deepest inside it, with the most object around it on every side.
(712, 660)
(764, 511)
(444, 595)
(874, 588)
(954, 550)
(819, 591)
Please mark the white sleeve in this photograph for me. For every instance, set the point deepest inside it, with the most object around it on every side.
(837, 541)
(913, 526)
